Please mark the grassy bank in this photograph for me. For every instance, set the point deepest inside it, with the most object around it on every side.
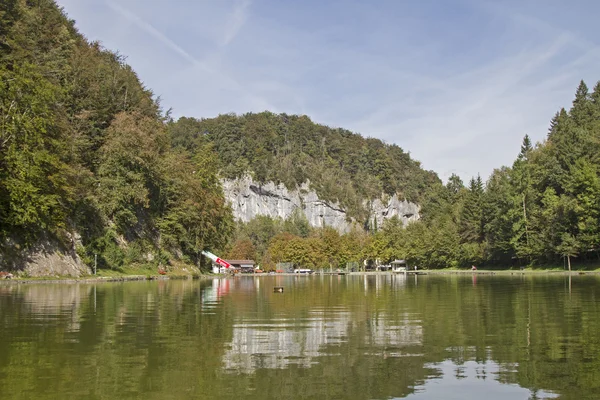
(125, 273)
(136, 273)
(111, 277)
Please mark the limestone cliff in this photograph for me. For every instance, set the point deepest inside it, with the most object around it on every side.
(249, 199)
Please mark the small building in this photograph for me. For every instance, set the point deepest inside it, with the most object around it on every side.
(384, 267)
(216, 269)
(399, 266)
(244, 266)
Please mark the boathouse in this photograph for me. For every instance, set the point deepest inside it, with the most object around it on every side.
(244, 266)
(398, 265)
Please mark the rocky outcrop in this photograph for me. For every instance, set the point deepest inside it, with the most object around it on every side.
(46, 258)
(249, 199)
(394, 207)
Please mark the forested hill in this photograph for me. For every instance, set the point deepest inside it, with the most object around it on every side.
(90, 163)
(88, 160)
(544, 209)
(341, 166)
(85, 156)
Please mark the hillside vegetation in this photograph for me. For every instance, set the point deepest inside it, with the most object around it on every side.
(88, 160)
(85, 156)
(341, 166)
(542, 210)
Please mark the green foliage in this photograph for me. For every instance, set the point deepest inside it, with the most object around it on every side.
(472, 220)
(107, 250)
(34, 192)
(297, 224)
(84, 148)
(192, 214)
(341, 166)
(545, 207)
(129, 169)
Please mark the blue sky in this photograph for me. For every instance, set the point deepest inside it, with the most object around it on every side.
(456, 83)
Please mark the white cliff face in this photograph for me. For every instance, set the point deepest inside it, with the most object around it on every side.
(249, 199)
(404, 210)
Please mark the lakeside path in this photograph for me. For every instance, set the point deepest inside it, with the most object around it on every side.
(98, 279)
(528, 272)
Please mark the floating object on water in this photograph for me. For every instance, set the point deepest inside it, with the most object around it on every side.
(278, 289)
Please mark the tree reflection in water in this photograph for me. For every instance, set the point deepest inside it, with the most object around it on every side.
(350, 337)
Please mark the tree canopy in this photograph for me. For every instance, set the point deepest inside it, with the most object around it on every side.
(341, 166)
(543, 209)
(85, 151)
(89, 159)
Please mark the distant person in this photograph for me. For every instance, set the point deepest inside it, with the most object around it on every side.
(473, 268)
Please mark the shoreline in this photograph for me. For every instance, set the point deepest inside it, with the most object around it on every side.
(131, 278)
(101, 279)
(508, 272)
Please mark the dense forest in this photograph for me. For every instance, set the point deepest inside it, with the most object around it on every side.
(88, 159)
(341, 166)
(543, 210)
(85, 153)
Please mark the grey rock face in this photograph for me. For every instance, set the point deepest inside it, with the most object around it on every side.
(49, 262)
(45, 258)
(404, 210)
(249, 199)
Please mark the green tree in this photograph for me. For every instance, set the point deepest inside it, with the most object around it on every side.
(503, 209)
(525, 197)
(34, 190)
(472, 219)
(584, 187)
(129, 170)
(581, 112)
(192, 212)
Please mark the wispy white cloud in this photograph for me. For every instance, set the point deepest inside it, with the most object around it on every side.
(457, 84)
(509, 11)
(474, 123)
(236, 21)
(224, 81)
(155, 33)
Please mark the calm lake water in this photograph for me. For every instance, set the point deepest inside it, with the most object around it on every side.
(325, 337)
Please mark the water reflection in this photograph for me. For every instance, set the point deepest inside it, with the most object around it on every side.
(213, 293)
(354, 337)
(282, 342)
(473, 380)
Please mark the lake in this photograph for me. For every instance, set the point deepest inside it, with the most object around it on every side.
(324, 337)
